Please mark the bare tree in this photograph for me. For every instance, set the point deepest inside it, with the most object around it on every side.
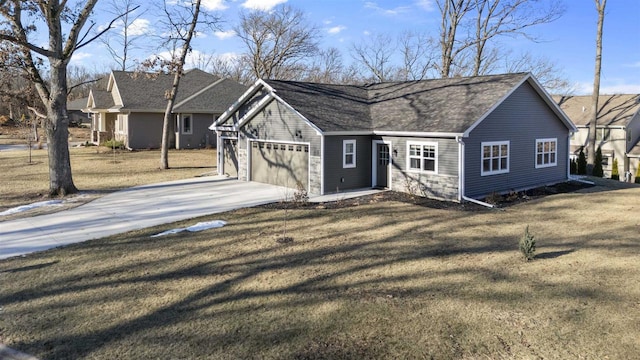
(417, 56)
(593, 123)
(63, 24)
(182, 19)
(120, 44)
(327, 67)
(495, 18)
(232, 67)
(469, 52)
(279, 43)
(546, 71)
(452, 12)
(375, 56)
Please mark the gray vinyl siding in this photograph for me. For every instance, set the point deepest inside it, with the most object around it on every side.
(521, 119)
(201, 136)
(277, 123)
(443, 185)
(337, 178)
(145, 130)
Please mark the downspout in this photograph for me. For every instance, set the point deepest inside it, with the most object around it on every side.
(219, 150)
(460, 168)
(569, 155)
(321, 164)
(461, 195)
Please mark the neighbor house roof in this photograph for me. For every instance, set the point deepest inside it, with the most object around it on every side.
(214, 98)
(77, 104)
(100, 99)
(613, 110)
(146, 92)
(453, 105)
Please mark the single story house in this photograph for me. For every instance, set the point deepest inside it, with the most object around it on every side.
(617, 130)
(130, 106)
(454, 139)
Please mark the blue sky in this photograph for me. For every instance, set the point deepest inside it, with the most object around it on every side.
(569, 42)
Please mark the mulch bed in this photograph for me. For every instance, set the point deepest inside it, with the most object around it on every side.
(500, 201)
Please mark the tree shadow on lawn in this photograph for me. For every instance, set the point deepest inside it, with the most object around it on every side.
(328, 264)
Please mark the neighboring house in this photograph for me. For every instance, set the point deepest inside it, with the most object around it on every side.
(76, 111)
(452, 139)
(617, 130)
(130, 107)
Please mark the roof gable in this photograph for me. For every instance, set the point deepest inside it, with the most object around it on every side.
(613, 110)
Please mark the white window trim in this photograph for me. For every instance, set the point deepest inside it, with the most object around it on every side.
(551, 164)
(344, 154)
(182, 117)
(494, 172)
(421, 170)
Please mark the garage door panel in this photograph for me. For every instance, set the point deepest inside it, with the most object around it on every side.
(280, 164)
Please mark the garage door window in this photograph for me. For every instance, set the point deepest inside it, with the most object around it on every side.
(348, 153)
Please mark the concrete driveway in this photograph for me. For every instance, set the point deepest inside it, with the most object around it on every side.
(131, 209)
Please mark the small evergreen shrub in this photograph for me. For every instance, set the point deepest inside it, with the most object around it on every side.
(582, 163)
(573, 166)
(528, 245)
(597, 167)
(637, 181)
(615, 174)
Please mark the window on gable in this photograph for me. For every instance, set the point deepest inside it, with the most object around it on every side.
(495, 158)
(546, 152)
(187, 125)
(348, 153)
(422, 156)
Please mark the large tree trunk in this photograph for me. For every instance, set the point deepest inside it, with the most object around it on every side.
(57, 129)
(593, 123)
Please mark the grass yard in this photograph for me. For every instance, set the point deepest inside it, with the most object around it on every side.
(385, 280)
(95, 170)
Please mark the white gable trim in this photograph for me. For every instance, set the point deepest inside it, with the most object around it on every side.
(259, 84)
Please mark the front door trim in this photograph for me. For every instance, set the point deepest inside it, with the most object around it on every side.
(374, 162)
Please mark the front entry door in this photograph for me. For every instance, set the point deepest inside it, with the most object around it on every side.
(382, 171)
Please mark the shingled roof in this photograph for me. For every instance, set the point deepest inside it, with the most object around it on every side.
(146, 92)
(614, 110)
(442, 105)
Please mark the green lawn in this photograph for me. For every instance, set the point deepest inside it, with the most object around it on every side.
(383, 280)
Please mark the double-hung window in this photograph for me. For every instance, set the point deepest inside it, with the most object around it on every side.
(422, 156)
(546, 152)
(348, 153)
(495, 158)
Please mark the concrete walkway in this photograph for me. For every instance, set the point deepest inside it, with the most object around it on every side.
(131, 209)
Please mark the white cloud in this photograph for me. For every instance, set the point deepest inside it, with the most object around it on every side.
(586, 88)
(139, 26)
(336, 29)
(389, 12)
(262, 5)
(222, 35)
(366, 33)
(634, 65)
(214, 5)
(79, 56)
(327, 22)
(426, 4)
